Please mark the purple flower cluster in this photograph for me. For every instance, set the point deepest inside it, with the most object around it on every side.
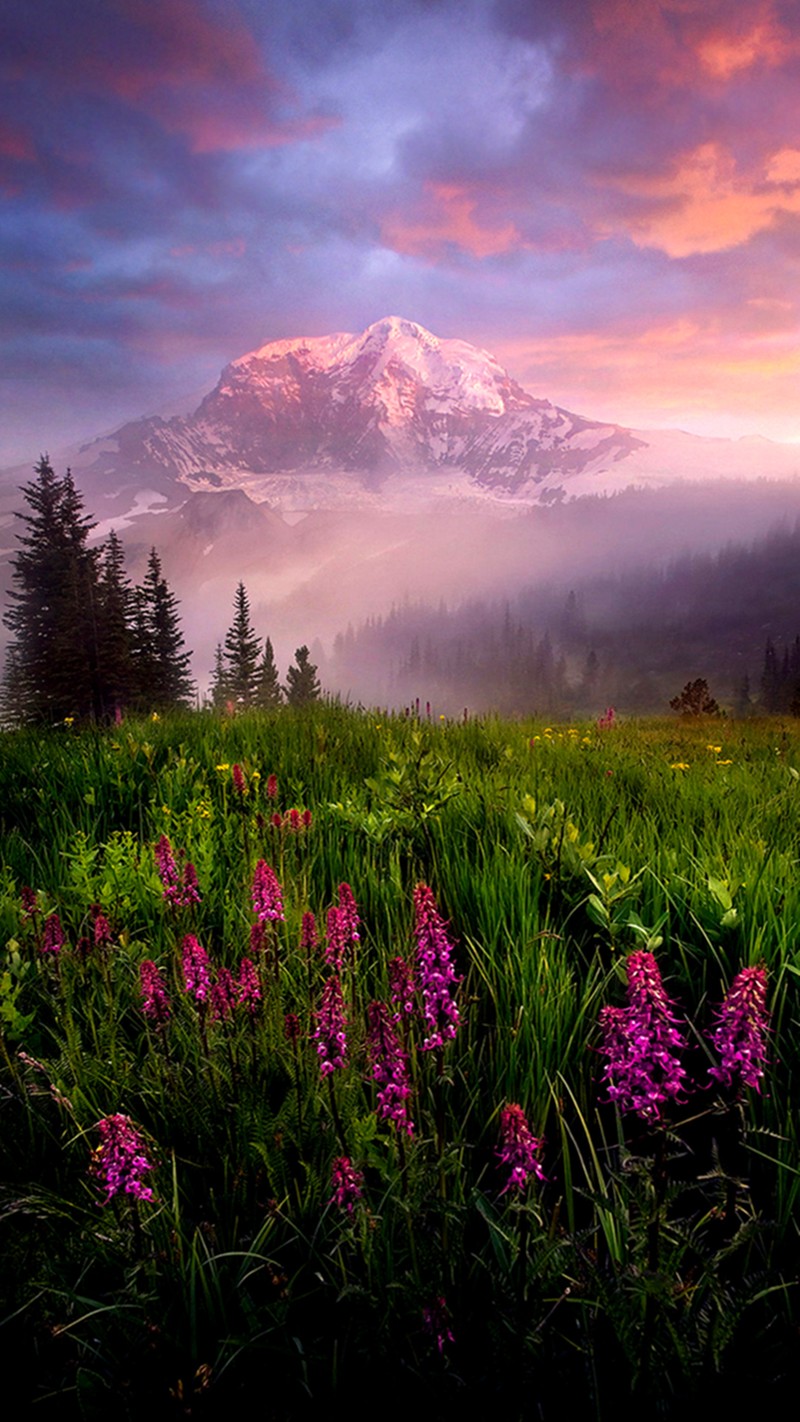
(267, 897)
(249, 988)
(120, 1161)
(196, 969)
(341, 930)
(223, 996)
(180, 887)
(436, 978)
(519, 1148)
(641, 1043)
(436, 1322)
(155, 999)
(389, 1068)
(52, 935)
(740, 1034)
(347, 1184)
(330, 1035)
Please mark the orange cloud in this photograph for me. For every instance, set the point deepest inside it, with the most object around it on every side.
(704, 205)
(725, 55)
(447, 218)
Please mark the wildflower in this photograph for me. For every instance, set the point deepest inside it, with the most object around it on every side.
(436, 1322)
(167, 869)
(640, 1043)
(223, 995)
(155, 716)
(389, 1069)
(307, 819)
(291, 1027)
(223, 767)
(401, 984)
(101, 929)
(347, 1184)
(29, 902)
(742, 1023)
(308, 935)
(330, 1035)
(266, 895)
(190, 889)
(276, 820)
(119, 1162)
(272, 786)
(518, 1148)
(349, 912)
(196, 969)
(435, 976)
(155, 1000)
(53, 936)
(238, 780)
(248, 988)
(679, 765)
(336, 939)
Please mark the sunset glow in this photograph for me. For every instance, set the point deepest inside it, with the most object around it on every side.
(605, 194)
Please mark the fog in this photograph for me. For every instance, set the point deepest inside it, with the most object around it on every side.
(312, 576)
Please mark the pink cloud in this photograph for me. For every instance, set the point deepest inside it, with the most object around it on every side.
(446, 216)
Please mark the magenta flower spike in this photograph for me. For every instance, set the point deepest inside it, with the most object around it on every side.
(266, 895)
(347, 1184)
(436, 1322)
(741, 1031)
(189, 889)
(335, 939)
(249, 988)
(330, 1035)
(641, 1043)
(519, 1148)
(389, 1069)
(223, 996)
(435, 975)
(52, 935)
(349, 911)
(401, 985)
(237, 776)
(167, 869)
(155, 999)
(196, 969)
(308, 936)
(101, 930)
(120, 1161)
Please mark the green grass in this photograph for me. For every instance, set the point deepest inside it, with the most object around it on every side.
(657, 1263)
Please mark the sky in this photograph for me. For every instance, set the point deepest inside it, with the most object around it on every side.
(605, 194)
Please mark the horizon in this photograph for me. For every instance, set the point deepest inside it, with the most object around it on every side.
(605, 196)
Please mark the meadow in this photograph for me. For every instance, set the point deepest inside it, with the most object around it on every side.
(352, 1058)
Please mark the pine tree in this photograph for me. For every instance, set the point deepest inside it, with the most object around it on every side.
(268, 692)
(242, 653)
(163, 678)
(302, 684)
(115, 630)
(219, 682)
(53, 668)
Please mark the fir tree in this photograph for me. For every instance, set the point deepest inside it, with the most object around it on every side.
(219, 681)
(242, 653)
(268, 691)
(53, 669)
(163, 678)
(115, 630)
(302, 684)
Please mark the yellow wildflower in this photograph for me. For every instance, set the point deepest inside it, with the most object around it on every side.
(223, 767)
(679, 765)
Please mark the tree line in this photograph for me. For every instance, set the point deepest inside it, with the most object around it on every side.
(85, 642)
(245, 674)
(88, 644)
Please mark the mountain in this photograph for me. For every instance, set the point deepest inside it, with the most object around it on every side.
(394, 418)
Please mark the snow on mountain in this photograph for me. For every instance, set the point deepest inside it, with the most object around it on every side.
(393, 418)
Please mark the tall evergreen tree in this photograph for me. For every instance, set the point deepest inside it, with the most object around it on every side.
(242, 653)
(163, 677)
(115, 630)
(268, 692)
(219, 681)
(53, 671)
(302, 683)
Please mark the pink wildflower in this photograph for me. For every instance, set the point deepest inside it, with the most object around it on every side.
(401, 984)
(101, 928)
(436, 1322)
(29, 902)
(272, 786)
(223, 995)
(308, 936)
(740, 1034)
(519, 1148)
(641, 1043)
(155, 1000)
(237, 777)
(435, 975)
(53, 935)
(330, 1035)
(249, 988)
(389, 1069)
(196, 969)
(119, 1162)
(266, 895)
(347, 1184)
